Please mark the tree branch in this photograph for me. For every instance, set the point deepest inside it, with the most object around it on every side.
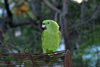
(9, 14)
(87, 21)
(51, 6)
(33, 23)
(19, 24)
(7, 8)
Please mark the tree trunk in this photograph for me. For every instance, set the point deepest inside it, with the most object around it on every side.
(66, 20)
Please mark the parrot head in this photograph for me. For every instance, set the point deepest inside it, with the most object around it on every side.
(50, 24)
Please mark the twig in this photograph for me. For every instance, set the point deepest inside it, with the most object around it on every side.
(51, 6)
(33, 6)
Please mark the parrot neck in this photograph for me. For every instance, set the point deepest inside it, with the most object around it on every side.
(53, 29)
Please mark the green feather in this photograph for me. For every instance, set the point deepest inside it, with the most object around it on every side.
(51, 37)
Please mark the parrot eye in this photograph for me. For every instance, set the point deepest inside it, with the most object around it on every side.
(48, 22)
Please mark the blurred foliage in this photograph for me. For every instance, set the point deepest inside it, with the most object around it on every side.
(87, 36)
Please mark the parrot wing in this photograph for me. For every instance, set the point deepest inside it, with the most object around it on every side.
(43, 40)
(42, 36)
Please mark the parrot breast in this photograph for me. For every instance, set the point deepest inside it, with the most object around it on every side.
(50, 41)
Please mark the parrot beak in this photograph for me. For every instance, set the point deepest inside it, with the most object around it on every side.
(43, 26)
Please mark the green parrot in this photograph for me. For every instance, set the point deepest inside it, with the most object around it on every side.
(51, 36)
